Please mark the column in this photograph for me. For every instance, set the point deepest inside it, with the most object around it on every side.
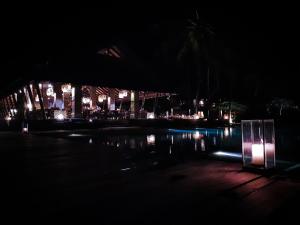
(134, 104)
(93, 95)
(31, 97)
(11, 105)
(40, 100)
(111, 102)
(59, 96)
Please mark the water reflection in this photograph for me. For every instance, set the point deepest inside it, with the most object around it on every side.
(151, 139)
(143, 149)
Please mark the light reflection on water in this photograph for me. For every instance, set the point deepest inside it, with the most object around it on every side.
(158, 148)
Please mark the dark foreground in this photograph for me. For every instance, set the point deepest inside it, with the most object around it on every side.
(48, 180)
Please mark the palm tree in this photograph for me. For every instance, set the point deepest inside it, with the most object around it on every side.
(196, 55)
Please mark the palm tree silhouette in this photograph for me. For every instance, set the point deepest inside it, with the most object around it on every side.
(196, 55)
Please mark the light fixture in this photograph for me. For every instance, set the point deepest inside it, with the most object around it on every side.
(66, 88)
(59, 114)
(150, 115)
(258, 143)
(86, 100)
(101, 98)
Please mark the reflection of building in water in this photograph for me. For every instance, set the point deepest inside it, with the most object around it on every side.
(202, 144)
(226, 132)
(214, 140)
(196, 135)
(196, 146)
(132, 143)
(151, 139)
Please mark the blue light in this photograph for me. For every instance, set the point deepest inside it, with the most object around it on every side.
(228, 154)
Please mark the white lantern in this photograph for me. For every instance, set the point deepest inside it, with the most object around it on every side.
(101, 98)
(258, 143)
(86, 100)
(66, 88)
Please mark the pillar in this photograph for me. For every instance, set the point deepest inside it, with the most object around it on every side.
(31, 97)
(111, 101)
(36, 86)
(93, 95)
(59, 96)
(134, 104)
(11, 105)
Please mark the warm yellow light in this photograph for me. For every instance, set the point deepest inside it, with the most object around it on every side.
(8, 118)
(257, 154)
(196, 135)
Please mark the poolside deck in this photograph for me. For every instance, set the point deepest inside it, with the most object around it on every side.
(63, 185)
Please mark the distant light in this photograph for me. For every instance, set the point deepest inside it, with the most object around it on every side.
(201, 102)
(196, 135)
(60, 117)
(150, 115)
(37, 98)
(25, 130)
(226, 117)
(196, 117)
(66, 88)
(86, 100)
(101, 98)
(201, 114)
(122, 94)
(91, 141)
(90, 120)
(125, 169)
(49, 91)
(226, 132)
(76, 135)
(202, 145)
(8, 118)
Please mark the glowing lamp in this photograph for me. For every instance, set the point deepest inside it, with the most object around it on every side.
(8, 118)
(101, 98)
(258, 143)
(122, 94)
(50, 91)
(201, 102)
(59, 114)
(150, 115)
(66, 88)
(86, 100)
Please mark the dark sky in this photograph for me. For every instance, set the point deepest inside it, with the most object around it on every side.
(264, 42)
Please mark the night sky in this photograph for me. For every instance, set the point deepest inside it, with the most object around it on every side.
(261, 45)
